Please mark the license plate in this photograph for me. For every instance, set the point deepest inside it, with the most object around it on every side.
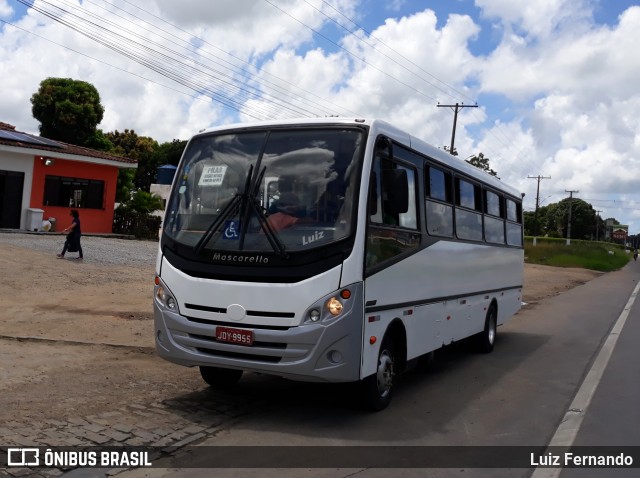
(234, 336)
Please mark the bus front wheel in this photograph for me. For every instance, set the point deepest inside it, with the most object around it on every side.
(220, 377)
(377, 389)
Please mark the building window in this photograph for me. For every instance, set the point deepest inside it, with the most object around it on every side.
(73, 192)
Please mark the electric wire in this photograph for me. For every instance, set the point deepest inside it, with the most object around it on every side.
(353, 55)
(195, 97)
(371, 35)
(491, 132)
(169, 63)
(231, 55)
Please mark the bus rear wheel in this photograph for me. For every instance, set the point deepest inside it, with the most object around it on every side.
(377, 389)
(485, 340)
(220, 377)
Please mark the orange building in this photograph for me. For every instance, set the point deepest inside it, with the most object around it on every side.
(41, 178)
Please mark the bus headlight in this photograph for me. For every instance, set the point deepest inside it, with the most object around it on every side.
(334, 306)
(164, 297)
(314, 315)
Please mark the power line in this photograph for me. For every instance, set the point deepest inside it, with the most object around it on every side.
(351, 53)
(170, 63)
(231, 55)
(370, 35)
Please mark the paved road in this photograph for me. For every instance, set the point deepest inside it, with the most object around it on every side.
(516, 396)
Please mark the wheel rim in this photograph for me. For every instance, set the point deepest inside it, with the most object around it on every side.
(385, 373)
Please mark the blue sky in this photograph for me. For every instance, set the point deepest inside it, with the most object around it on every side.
(556, 81)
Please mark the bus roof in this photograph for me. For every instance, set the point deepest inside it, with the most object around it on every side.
(383, 127)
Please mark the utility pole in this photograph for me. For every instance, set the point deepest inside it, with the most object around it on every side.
(597, 213)
(535, 214)
(457, 107)
(569, 225)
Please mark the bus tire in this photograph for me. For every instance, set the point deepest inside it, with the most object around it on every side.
(220, 377)
(485, 340)
(377, 389)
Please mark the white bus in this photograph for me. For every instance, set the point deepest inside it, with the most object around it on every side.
(336, 250)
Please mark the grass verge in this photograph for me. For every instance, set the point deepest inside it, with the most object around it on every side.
(597, 256)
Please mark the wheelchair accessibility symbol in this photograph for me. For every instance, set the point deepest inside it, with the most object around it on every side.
(231, 230)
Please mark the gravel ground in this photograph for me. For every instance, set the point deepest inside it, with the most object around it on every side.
(97, 250)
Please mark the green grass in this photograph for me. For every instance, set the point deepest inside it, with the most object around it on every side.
(585, 254)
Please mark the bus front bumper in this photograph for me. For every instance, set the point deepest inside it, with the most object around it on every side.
(313, 352)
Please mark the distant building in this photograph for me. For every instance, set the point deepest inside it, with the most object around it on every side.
(619, 233)
(163, 187)
(41, 178)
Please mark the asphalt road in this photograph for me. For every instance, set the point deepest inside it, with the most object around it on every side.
(515, 397)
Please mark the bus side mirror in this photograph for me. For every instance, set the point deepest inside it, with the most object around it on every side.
(396, 188)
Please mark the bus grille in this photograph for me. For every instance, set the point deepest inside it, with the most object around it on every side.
(233, 324)
(268, 345)
(239, 356)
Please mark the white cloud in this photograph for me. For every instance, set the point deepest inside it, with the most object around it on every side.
(566, 88)
(5, 9)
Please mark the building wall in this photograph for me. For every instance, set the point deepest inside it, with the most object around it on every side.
(92, 220)
(10, 161)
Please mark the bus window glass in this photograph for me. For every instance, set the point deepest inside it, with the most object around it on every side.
(512, 211)
(493, 204)
(514, 234)
(468, 225)
(231, 186)
(439, 184)
(375, 195)
(466, 194)
(382, 215)
(439, 219)
(409, 219)
(494, 230)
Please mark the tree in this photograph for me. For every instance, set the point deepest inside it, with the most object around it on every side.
(482, 162)
(68, 110)
(143, 202)
(141, 148)
(583, 219)
(170, 153)
(125, 186)
(453, 152)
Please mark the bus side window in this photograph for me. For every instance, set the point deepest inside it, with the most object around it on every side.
(392, 211)
(493, 219)
(514, 223)
(468, 212)
(439, 199)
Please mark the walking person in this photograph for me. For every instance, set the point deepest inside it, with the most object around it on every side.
(72, 243)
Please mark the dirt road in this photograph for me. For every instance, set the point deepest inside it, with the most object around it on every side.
(79, 336)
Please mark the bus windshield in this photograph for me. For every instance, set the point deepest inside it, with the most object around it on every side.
(260, 190)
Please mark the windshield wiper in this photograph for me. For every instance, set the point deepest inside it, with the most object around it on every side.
(230, 209)
(243, 203)
(275, 242)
